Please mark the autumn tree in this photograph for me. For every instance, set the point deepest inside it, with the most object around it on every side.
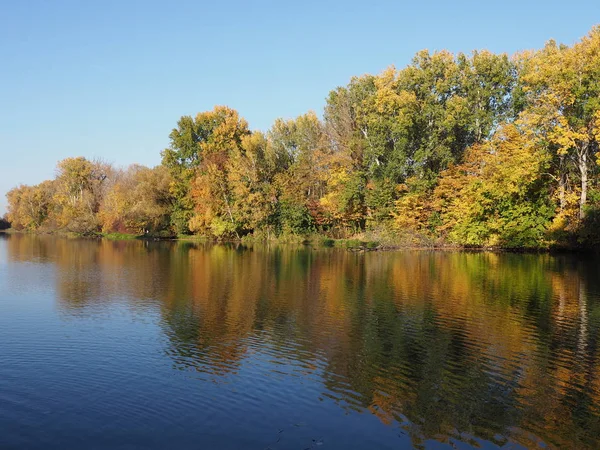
(404, 127)
(301, 145)
(498, 196)
(562, 87)
(251, 171)
(80, 186)
(139, 201)
(30, 206)
(344, 202)
(197, 154)
(197, 160)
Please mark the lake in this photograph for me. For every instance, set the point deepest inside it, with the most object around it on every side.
(137, 344)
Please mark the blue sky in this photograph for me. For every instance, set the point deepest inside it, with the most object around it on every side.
(110, 79)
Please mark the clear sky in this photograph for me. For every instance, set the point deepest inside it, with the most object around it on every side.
(111, 78)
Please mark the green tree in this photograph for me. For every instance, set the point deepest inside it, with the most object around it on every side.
(302, 142)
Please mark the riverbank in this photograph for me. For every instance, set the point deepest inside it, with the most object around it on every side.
(364, 242)
(313, 239)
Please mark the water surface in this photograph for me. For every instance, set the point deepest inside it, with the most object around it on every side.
(139, 344)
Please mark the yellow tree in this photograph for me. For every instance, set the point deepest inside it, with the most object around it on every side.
(138, 201)
(250, 175)
(29, 206)
(216, 136)
(343, 204)
(117, 203)
(498, 195)
(198, 154)
(152, 199)
(562, 87)
(80, 187)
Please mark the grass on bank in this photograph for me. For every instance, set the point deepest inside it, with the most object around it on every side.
(120, 236)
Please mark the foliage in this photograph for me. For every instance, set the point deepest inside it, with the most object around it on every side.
(498, 196)
(80, 186)
(138, 202)
(471, 149)
(199, 149)
(4, 223)
(29, 206)
(562, 88)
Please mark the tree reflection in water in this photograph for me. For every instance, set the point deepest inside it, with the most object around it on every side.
(445, 345)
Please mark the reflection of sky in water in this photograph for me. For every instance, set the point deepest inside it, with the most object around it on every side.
(158, 344)
(3, 250)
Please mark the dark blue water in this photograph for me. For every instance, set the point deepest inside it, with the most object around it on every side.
(173, 345)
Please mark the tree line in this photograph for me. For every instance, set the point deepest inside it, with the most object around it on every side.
(477, 149)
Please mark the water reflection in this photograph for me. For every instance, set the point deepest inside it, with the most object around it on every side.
(476, 347)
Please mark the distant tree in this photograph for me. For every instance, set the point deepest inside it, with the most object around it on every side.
(30, 206)
(80, 186)
(139, 201)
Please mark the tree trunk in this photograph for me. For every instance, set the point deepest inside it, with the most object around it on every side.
(562, 184)
(583, 169)
(229, 211)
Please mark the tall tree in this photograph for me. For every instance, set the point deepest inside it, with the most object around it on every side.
(562, 85)
(197, 154)
(139, 201)
(80, 187)
(302, 141)
(498, 195)
(251, 170)
(30, 206)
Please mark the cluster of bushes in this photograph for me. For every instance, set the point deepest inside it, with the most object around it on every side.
(4, 223)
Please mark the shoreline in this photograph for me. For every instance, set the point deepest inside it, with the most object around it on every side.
(317, 241)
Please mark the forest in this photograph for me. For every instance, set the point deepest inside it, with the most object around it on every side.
(477, 150)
